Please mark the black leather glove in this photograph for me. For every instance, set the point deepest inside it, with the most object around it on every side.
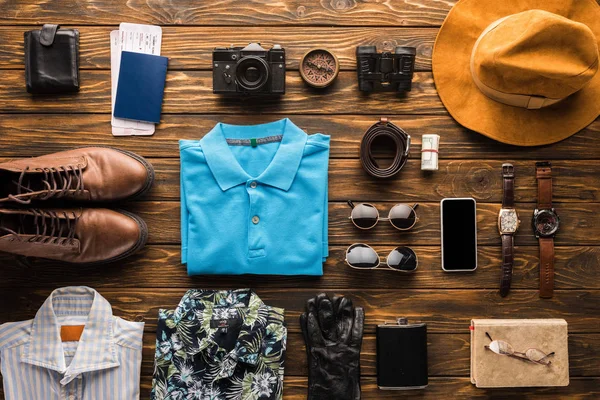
(333, 332)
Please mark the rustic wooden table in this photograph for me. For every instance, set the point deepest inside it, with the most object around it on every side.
(470, 165)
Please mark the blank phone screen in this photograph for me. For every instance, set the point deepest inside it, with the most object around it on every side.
(459, 234)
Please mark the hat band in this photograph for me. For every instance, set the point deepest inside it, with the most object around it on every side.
(516, 100)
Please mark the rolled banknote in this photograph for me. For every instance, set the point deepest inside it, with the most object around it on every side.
(430, 145)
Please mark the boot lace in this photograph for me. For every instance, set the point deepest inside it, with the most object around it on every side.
(49, 227)
(58, 182)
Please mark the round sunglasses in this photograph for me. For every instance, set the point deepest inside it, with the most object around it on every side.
(362, 256)
(365, 216)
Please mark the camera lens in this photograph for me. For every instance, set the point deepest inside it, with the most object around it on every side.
(252, 73)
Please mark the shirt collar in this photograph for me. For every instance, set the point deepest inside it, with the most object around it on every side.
(96, 347)
(197, 306)
(280, 173)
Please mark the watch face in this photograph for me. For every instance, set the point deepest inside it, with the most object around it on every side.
(319, 68)
(545, 223)
(509, 221)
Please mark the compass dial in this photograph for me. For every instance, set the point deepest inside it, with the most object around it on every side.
(319, 68)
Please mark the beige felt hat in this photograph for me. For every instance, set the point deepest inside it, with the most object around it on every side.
(523, 72)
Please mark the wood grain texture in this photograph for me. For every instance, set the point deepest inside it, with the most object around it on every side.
(578, 389)
(443, 311)
(191, 47)
(574, 181)
(230, 12)
(469, 166)
(442, 388)
(191, 92)
(577, 267)
(38, 134)
(577, 218)
(163, 222)
(448, 355)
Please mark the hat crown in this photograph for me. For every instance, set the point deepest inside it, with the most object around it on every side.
(536, 53)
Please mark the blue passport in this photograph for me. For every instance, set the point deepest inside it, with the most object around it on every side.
(141, 87)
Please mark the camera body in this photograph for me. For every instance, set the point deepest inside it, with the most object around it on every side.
(386, 70)
(249, 70)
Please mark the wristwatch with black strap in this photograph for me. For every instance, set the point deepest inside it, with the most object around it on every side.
(508, 223)
(545, 225)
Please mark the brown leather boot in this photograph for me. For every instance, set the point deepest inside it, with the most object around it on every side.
(85, 174)
(77, 236)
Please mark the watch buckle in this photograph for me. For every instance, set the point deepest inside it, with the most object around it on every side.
(508, 170)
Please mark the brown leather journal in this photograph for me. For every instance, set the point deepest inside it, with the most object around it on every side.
(491, 370)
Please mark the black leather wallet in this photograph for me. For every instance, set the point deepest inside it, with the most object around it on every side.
(52, 60)
(402, 356)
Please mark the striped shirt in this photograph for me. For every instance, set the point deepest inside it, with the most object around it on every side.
(103, 365)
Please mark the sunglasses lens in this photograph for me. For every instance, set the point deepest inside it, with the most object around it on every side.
(402, 216)
(365, 216)
(501, 347)
(362, 256)
(402, 259)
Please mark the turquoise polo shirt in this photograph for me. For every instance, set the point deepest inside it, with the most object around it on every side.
(254, 200)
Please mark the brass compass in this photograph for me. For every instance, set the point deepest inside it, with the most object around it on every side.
(319, 68)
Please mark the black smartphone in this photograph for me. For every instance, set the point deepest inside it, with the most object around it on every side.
(459, 234)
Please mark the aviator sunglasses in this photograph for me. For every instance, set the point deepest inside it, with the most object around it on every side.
(362, 256)
(365, 216)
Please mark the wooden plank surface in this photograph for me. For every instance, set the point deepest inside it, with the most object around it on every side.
(443, 311)
(198, 43)
(469, 166)
(578, 267)
(191, 92)
(29, 135)
(231, 12)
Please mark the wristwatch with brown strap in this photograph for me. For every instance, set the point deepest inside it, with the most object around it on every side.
(508, 223)
(545, 225)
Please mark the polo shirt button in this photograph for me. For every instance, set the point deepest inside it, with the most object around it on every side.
(255, 219)
(253, 185)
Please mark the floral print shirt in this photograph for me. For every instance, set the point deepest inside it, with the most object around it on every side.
(219, 345)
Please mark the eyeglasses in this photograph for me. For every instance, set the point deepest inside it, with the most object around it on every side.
(365, 216)
(505, 349)
(362, 256)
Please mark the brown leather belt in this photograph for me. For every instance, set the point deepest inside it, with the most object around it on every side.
(401, 139)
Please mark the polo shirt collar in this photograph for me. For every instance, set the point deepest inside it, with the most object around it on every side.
(280, 173)
(96, 347)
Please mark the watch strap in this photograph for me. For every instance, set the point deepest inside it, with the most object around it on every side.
(546, 267)
(508, 245)
(508, 186)
(543, 173)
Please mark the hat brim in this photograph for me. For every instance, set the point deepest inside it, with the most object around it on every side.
(474, 110)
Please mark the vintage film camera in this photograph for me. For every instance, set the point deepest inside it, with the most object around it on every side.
(249, 70)
(386, 70)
